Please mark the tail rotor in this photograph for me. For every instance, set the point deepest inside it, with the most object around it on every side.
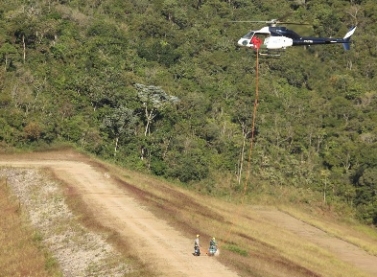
(347, 38)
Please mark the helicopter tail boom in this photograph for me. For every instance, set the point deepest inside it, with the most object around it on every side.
(347, 38)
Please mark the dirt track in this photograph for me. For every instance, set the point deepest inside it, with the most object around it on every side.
(344, 250)
(160, 245)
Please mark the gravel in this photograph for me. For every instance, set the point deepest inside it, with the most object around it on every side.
(79, 251)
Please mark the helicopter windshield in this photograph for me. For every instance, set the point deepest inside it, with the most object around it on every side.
(248, 35)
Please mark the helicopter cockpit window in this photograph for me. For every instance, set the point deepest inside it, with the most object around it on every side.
(248, 35)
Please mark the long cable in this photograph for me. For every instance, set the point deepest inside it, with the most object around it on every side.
(254, 115)
(253, 122)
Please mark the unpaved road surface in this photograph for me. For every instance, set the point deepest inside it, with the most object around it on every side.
(168, 251)
(344, 250)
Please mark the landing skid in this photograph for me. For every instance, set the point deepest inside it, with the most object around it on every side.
(271, 53)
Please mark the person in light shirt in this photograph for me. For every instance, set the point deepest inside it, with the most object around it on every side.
(197, 246)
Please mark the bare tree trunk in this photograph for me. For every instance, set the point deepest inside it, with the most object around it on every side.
(239, 173)
(24, 46)
(149, 116)
(349, 65)
(167, 143)
(242, 158)
(353, 11)
(116, 146)
(146, 127)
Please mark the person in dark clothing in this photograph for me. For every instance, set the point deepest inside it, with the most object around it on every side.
(212, 246)
(197, 246)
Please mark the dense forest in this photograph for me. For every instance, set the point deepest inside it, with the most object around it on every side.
(161, 86)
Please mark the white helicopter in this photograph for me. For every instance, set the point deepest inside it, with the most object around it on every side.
(277, 38)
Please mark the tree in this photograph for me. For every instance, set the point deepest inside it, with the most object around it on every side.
(152, 98)
(32, 131)
(8, 54)
(74, 71)
(121, 122)
(366, 194)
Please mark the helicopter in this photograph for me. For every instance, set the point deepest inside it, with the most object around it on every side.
(278, 38)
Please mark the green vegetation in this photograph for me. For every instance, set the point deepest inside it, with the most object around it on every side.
(22, 252)
(236, 249)
(253, 240)
(160, 86)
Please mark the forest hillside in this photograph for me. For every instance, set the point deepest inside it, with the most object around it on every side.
(161, 86)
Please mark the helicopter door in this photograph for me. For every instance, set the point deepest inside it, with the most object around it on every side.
(275, 42)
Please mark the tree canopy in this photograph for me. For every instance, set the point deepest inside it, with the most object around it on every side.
(161, 86)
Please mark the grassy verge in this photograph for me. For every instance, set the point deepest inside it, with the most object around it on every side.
(249, 243)
(22, 253)
(354, 233)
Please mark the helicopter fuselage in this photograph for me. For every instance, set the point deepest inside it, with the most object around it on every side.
(276, 38)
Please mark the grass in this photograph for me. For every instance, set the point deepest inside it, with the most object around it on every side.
(236, 249)
(249, 243)
(22, 253)
(352, 232)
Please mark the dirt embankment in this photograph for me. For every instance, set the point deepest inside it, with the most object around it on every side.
(158, 244)
(78, 251)
(165, 249)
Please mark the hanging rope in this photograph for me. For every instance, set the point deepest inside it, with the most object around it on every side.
(253, 123)
(254, 115)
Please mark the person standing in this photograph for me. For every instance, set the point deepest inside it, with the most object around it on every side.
(197, 246)
(212, 246)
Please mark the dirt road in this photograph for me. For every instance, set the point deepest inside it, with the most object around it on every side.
(346, 251)
(169, 251)
(157, 243)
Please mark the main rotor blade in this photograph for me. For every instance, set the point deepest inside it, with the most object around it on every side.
(270, 22)
(293, 23)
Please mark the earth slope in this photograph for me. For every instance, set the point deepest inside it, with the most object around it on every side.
(166, 249)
